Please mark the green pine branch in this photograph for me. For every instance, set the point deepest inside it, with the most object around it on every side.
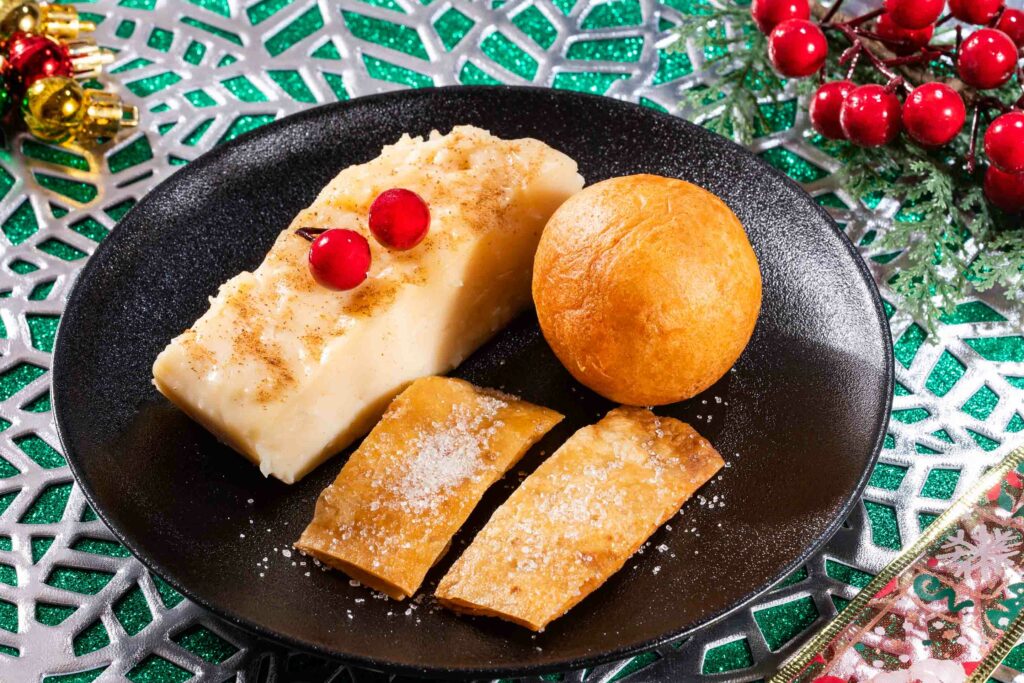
(952, 243)
(738, 54)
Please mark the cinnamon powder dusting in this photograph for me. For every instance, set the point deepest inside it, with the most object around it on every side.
(250, 345)
(470, 183)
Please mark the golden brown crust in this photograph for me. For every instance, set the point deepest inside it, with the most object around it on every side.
(576, 520)
(391, 512)
(646, 288)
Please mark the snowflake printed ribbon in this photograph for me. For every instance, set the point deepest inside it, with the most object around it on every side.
(980, 555)
(948, 609)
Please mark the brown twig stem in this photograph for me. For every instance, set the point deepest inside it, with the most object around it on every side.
(310, 233)
(864, 18)
(919, 58)
(852, 35)
(972, 157)
(853, 65)
(832, 11)
(915, 72)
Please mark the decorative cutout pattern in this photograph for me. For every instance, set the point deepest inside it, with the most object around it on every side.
(74, 606)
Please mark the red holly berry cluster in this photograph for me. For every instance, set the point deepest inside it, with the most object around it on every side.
(932, 114)
(340, 258)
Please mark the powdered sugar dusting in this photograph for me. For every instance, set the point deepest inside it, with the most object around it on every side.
(582, 513)
(447, 454)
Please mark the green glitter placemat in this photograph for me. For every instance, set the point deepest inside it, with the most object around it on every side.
(74, 606)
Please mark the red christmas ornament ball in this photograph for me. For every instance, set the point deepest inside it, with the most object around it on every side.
(825, 107)
(902, 41)
(988, 58)
(975, 11)
(870, 116)
(768, 14)
(797, 48)
(914, 14)
(1005, 190)
(1012, 24)
(339, 259)
(399, 218)
(933, 114)
(1004, 142)
(31, 57)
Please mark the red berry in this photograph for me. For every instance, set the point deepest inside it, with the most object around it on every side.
(1004, 142)
(339, 259)
(31, 57)
(1012, 24)
(399, 219)
(770, 13)
(914, 14)
(933, 114)
(975, 11)
(797, 48)
(902, 41)
(987, 59)
(1005, 190)
(825, 107)
(870, 116)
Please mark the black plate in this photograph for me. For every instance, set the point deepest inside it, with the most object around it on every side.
(801, 420)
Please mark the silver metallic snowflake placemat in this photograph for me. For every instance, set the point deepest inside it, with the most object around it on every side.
(74, 606)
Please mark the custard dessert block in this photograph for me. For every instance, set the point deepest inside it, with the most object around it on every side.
(392, 511)
(288, 372)
(577, 519)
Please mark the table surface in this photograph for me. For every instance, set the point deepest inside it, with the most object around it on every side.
(75, 606)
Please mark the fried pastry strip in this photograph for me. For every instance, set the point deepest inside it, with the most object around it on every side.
(402, 495)
(576, 520)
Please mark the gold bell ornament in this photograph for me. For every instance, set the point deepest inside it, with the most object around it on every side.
(58, 109)
(28, 16)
